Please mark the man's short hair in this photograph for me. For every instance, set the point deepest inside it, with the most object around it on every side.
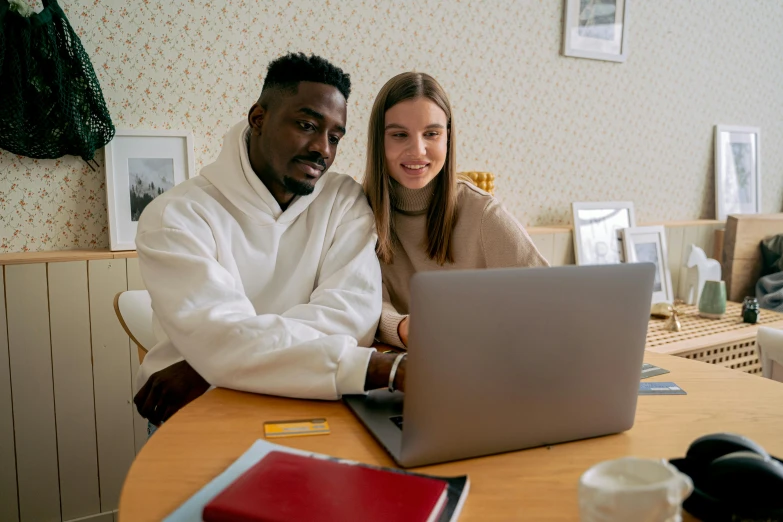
(286, 72)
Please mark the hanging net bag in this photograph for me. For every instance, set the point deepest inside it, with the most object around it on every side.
(51, 103)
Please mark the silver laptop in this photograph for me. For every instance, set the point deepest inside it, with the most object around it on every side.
(508, 359)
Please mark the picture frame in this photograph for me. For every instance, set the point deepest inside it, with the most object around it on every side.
(737, 170)
(597, 226)
(648, 244)
(140, 165)
(596, 29)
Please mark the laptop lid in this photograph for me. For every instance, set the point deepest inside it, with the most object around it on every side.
(506, 359)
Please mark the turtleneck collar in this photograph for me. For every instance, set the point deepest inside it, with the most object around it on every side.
(412, 201)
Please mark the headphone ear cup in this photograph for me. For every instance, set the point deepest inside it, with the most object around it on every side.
(746, 479)
(706, 449)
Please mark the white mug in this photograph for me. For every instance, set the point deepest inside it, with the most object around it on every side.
(630, 488)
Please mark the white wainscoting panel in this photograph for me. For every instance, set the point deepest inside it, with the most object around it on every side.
(9, 508)
(27, 308)
(69, 316)
(112, 378)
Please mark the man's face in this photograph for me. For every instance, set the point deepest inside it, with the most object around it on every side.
(294, 141)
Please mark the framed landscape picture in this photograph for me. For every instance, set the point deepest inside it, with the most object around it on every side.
(737, 170)
(596, 29)
(141, 165)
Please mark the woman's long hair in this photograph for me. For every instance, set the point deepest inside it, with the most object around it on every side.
(442, 214)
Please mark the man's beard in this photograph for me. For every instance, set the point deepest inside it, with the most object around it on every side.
(298, 188)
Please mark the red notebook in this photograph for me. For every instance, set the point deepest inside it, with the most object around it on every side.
(283, 487)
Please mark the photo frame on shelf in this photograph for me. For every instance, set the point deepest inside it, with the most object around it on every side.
(648, 244)
(597, 226)
(596, 29)
(737, 170)
(141, 165)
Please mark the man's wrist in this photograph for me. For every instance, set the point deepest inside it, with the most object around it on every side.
(379, 369)
(395, 371)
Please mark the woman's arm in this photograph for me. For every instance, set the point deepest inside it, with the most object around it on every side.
(392, 328)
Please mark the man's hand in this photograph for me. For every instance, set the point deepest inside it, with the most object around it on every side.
(402, 330)
(379, 369)
(168, 390)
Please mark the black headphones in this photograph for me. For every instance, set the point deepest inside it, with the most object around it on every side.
(734, 479)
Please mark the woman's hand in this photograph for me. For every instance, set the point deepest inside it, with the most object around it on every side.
(402, 331)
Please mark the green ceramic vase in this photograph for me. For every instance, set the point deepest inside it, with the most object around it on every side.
(712, 303)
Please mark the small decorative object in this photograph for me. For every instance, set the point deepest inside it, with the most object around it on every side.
(712, 303)
(745, 302)
(750, 310)
(597, 229)
(673, 323)
(700, 269)
(596, 29)
(483, 180)
(737, 170)
(661, 310)
(648, 245)
(140, 165)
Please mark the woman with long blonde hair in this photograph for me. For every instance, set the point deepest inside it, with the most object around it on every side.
(427, 218)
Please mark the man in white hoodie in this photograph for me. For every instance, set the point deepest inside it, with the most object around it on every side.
(262, 270)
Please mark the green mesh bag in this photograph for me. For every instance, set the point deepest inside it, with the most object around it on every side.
(51, 103)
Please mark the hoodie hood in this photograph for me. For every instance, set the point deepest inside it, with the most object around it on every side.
(232, 174)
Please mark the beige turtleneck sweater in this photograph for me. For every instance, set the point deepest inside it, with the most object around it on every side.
(485, 236)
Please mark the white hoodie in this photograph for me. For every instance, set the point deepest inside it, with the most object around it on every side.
(256, 298)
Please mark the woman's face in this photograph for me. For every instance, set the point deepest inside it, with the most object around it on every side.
(415, 142)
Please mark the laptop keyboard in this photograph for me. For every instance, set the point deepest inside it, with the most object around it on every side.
(397, 420)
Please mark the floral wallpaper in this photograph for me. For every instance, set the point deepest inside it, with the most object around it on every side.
(552, 129)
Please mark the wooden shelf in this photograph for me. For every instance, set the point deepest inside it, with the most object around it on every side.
(60, 256)
(565, 229)
(691, 223)
(560, 229)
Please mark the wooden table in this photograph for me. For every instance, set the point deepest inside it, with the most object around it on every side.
(539, 484)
